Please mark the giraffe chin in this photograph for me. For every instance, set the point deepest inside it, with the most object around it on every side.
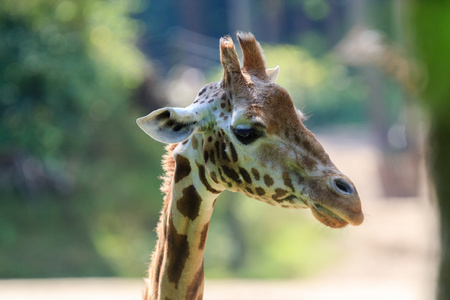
(327, 217)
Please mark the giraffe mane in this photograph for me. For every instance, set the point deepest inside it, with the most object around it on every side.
(168, 164)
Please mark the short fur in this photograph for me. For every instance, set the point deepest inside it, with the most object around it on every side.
(253, 58)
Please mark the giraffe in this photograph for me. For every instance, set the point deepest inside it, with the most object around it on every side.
(241, 134)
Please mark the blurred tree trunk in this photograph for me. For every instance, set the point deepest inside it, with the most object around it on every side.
(429, 22)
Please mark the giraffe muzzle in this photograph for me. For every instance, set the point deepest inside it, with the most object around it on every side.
(335, 202)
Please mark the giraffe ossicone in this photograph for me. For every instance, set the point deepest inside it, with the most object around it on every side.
(241, 134)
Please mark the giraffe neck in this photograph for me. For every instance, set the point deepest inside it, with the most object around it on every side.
(176, 271)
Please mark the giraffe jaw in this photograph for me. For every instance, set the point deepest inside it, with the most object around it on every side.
(322, 214)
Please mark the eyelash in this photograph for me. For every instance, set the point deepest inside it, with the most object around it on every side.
(247, 135)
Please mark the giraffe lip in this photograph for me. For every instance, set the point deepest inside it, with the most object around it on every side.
(327, 217)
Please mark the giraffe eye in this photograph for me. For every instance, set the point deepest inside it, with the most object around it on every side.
(246, 135)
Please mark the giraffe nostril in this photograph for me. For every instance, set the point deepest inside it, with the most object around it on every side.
(342, 186)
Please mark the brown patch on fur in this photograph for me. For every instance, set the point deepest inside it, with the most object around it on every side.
(212, 156)
(268, 180)
(231, 173)
(202, 91)
(189, 203)
(205, 156)
(214, 177)
(278, 194)
(255, 174)
(183, 168)
(260, 191)
(202, 176)
(203, 236)
(224, 152)
(287, 181)
(217, 146)
(234, 154)
(178, 254)
(245, 175)
(194, 142)
(195, 287)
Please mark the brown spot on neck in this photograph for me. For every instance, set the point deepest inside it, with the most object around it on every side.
(189, 203)
(195, 289)
(177, 254)
(182, 168)
(203, 236)
(202, 176)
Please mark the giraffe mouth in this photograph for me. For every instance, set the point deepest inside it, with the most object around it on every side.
(327, 217)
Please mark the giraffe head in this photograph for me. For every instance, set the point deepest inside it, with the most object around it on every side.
(247, 136)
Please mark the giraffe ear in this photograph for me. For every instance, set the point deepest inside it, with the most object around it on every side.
(273, 74)
(169, 125)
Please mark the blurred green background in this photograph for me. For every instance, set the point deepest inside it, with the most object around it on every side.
(79, 182)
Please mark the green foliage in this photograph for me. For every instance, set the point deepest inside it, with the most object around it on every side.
(73, 165)
(321, 87)
(125, 195)
(278, 243)
(60, 61)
